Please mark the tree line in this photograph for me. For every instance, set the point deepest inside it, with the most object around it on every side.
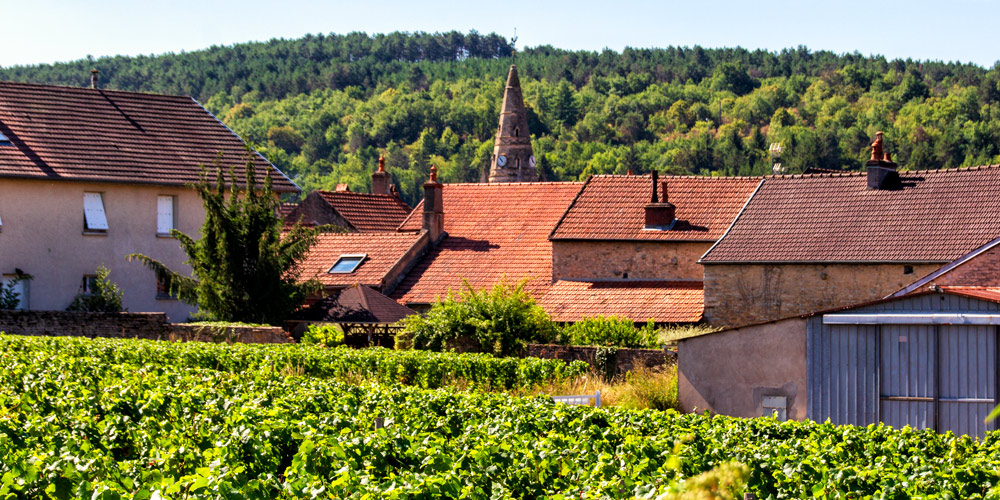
(324, 107)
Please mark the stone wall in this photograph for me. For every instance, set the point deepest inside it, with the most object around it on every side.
(149, 326)
(232, 334)
(626, 359)
(651, 260)
(745, 294)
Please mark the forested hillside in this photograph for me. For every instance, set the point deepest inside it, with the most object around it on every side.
(324, 107)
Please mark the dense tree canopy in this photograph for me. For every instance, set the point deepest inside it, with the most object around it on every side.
(324, 107)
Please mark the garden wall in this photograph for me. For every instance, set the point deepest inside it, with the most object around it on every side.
(150, 326)
(626, 360)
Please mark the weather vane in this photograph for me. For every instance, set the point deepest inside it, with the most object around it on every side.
(513, 45)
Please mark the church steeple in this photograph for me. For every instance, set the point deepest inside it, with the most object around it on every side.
(513, 160)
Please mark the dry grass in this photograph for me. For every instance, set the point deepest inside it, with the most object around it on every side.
(644, 388)
(670, 336)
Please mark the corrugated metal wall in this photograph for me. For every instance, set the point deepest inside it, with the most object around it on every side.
(942, 377)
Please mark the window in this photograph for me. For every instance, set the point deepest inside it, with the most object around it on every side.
(88, 285)
(165, 214)
(347, 263)
(94, 219)
(1, 225)
(20, 288)
(162, 293)
(4, 140)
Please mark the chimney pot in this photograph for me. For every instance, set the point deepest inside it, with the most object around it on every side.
(93, 78)
(882, 172)
(381, 180)
(656, 177)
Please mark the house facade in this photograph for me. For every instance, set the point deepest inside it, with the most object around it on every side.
(88, 176)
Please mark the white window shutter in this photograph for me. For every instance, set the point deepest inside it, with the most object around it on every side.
(93, 212)
(164, 214)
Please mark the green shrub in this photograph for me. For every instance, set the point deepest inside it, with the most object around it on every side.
(610, 331)
(500, 320)
(328, 334)
(9, 297)
(106, 296)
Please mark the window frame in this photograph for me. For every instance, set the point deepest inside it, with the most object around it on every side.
(173, 215)
(360, 259)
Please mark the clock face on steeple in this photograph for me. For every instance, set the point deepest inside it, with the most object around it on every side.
(531, 161)
(501, 160)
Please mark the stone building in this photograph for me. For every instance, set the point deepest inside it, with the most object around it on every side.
(806, 243)
(513, 160)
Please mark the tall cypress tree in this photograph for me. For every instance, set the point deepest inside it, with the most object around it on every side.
(245, 269)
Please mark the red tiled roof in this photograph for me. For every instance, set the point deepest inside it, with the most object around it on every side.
(286, 208)
(610, 207)
(113, 136)
(368, 212)
(494, 231)
(978, 292)
(937, 216)
(383, 251)
(661, 301)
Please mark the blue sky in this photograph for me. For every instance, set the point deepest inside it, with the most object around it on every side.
(44, 31)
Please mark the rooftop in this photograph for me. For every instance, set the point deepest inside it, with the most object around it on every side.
(611, 207)
(382, 251)
(937, 216)
(104, 135)
(368, 212)
(661, 301)
(356, 304)
(493, 231)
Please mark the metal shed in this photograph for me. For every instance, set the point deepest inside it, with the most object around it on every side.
(926, 360)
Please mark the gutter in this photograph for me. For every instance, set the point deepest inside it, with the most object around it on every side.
(910, 318)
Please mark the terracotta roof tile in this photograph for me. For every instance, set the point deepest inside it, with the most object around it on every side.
(368, 212)
(661, 301)
(979, 292)
(610, 207)
(383, 251)
(494, 231)
(938, 216)
(113, 136)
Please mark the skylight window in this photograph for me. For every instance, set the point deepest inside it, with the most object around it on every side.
(347, 263)
(4, 140)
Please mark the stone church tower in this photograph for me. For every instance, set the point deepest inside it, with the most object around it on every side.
(512, 159)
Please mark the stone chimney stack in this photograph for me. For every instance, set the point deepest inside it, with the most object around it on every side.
(513, 160)
(660, 215)
(381, 180)
(93, 78)
(433, 209)
(882, 172)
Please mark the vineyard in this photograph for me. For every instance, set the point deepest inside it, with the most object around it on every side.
(145, 420)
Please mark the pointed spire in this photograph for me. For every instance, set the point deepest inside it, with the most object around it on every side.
(513, 159)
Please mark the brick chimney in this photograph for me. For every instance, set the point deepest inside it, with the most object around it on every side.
(882, 172)
(433, 210)
(660, 215)
(93, 78)
(381, 180)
